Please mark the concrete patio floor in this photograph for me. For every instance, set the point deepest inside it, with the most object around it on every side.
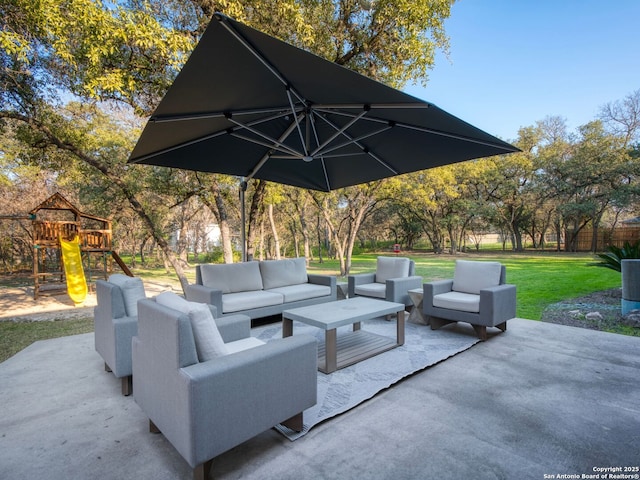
(540, 399)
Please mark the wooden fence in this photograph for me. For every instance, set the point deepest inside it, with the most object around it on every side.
(606, 237)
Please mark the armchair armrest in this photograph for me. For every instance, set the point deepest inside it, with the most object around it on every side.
(202, 294)
(436, 288)
(273, 383)
(327, 280)
(397, 288)
(360, 279)
(234, 327)
(497, 304)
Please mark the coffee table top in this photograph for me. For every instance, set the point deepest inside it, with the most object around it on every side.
(342, 312)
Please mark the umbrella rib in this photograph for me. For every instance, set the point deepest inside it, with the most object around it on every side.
(339, 132)
(273, 142)
(465, 138)
(355, 140)
(364, 149)
(254, 51)
(217, 114)
(302, 142)
(266, 156)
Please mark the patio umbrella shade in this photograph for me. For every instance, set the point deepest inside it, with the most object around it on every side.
(250, 105)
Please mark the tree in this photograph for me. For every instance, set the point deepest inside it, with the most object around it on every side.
(128, 53)
(344, 211)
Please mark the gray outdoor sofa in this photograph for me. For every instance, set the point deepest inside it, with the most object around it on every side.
(260, 289)
(204, 408)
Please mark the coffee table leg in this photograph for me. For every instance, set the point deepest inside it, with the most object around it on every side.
(356, 326)
(331, 354)
(287, 327)
(400, 327)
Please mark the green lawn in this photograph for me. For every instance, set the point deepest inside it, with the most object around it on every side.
(541, 278)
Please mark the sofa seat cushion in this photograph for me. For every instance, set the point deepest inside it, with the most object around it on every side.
(377, 290)
(465, 302)
(304, 291)
(237, 302)
(282, 273)
(132, 290)
(243, 344)
(209, 342)
(472, 276)
(232, 277)
(390, 267)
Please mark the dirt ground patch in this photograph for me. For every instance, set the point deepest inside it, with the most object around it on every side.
(17, 303)
(597, 311)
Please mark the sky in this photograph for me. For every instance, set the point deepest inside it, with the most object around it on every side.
(514, 62)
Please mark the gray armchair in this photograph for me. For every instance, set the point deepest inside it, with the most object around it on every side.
(116, 322)
(205, 408)
(115, 319)
(478, 294)
(393, 278)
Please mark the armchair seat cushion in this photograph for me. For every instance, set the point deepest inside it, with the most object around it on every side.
(377, 290)
(243, 344)
(303, 291)
(240, 301)
(466, 302)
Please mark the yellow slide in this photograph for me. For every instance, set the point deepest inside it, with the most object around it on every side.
(73, 270)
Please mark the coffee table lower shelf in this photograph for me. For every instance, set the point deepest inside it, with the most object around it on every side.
(353, 347)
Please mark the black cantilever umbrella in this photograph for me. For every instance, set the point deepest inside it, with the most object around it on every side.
(250, 105)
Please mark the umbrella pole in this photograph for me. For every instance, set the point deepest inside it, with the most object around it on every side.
(243, 228)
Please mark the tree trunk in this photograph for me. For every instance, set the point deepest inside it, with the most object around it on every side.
(274, 232)
(257, 203)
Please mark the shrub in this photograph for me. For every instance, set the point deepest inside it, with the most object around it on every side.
(613, 257)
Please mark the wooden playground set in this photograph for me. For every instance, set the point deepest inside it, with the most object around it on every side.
(70, 248)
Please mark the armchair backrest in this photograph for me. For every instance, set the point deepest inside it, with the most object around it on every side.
(473, 276)
(131, 290)
(393, 267)
(109, 299)
(168, 331)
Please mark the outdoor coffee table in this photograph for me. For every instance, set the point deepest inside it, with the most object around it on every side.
(351, 347)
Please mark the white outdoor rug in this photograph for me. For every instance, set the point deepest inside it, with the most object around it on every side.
(346, 388)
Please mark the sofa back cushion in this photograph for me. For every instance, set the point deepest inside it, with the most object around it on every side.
(472, 276)
(232, 277)
(392, 267)
(209, 342)
(282, 273)
(132, 290)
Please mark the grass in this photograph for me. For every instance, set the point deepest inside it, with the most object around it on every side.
(15, 336)
(541, 279)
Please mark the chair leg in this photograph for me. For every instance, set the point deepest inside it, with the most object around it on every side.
(436, 322)
(502, 326)
(153, 428)
(201, 472)
(106, 367)
(295, 423)
(481, 331)
(127, 385)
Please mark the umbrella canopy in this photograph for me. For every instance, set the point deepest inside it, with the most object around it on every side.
(250, 105)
